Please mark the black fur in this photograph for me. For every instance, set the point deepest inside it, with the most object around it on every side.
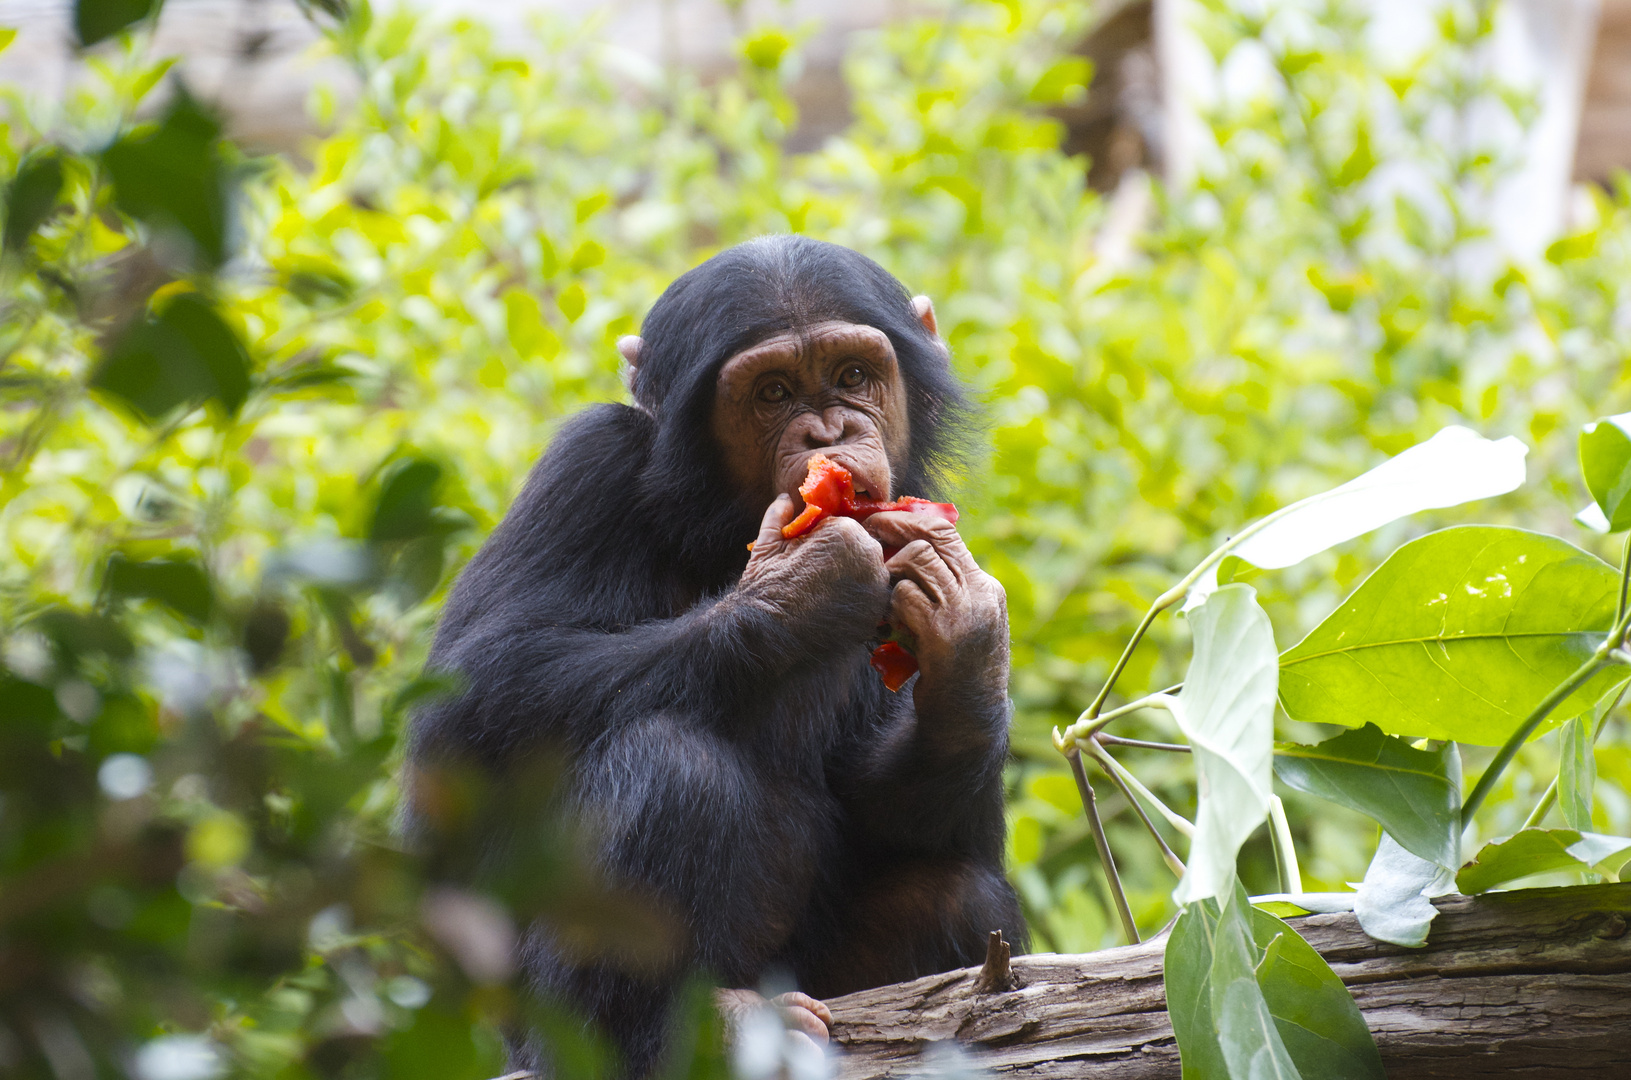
(752, 778)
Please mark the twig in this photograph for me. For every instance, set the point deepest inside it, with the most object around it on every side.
(1112, 879)
(1140, 744)
(1113, 771)
(996, 977)
(1175, 819)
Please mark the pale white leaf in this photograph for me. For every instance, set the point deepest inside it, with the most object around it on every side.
(1595, 849)
(1394, 902)
(1226, 711)
(1591, 516)
(1455, 466)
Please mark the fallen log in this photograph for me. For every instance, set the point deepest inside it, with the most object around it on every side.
(1533, 983)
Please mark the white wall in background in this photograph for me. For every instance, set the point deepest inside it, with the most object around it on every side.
(1542, 46)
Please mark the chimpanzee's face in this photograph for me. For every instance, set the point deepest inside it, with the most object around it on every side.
(833, 388)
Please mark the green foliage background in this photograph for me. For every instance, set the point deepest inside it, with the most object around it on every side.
(442, 281)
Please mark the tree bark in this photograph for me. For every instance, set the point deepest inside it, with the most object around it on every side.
(1533, 983)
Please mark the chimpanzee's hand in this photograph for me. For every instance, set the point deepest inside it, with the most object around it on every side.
(831, 576)
(800, 1013)
(958, 612)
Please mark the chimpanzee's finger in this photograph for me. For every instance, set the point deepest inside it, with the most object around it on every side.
(897, 528)
(778, 513)
(798, 1018)
(805, 1001)
(909, 607)
(919, 561)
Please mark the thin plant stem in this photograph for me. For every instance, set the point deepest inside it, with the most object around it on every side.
(1105, 761)
(1087, 726)
(1509, 749)
(1181, 590)
(1140, 744)
(1625, 579)
(1175, 819)
(1100, 841)
(1541, 808)
(1285, 851)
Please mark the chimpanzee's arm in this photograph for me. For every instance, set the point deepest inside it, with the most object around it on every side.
(567, 623)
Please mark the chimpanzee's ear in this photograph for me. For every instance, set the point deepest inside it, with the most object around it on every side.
(628, 347)
(924, 307)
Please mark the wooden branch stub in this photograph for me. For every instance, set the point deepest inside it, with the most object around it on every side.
(1534, 983)
(996, 977)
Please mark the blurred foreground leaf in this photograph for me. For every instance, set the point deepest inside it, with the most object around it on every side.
(171, 176)
(184, 587)
(185, 355)
(96, 20)
(31, 197)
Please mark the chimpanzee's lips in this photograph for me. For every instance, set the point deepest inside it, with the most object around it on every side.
(863, 470)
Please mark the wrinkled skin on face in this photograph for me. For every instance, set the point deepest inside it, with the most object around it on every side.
(836, 389)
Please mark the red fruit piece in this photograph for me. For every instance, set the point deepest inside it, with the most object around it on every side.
(894, 663)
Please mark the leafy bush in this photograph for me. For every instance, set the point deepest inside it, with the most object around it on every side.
(216, 587)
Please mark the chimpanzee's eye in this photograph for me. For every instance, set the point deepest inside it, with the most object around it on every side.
(775, 393)
(852, 376)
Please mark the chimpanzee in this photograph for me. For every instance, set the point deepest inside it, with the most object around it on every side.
(738, 762)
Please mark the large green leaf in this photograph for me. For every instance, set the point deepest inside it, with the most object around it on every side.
(1458, 635)
(1540, 851)
(1226, 711)
(1230, 969)
(1415, 794)
(1605, 462)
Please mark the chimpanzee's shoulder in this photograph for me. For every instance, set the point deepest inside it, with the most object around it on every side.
(594, 450)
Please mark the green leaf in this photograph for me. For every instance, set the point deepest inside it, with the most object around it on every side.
(1395, 901)
(172, 177)
(1577, 769)
(31, 197)
(1455, 466)
(765, 49)
(1064, 81)
(181, 585)
(1318, 1025)
(96, 20)
(1605, 462)
(407, 502)
(7, 36)
(187, 354)
(1540, 851)
(1226, 711)
(1458, 635)
(1414, 794)
(1187, 975)
(1248, 1033)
